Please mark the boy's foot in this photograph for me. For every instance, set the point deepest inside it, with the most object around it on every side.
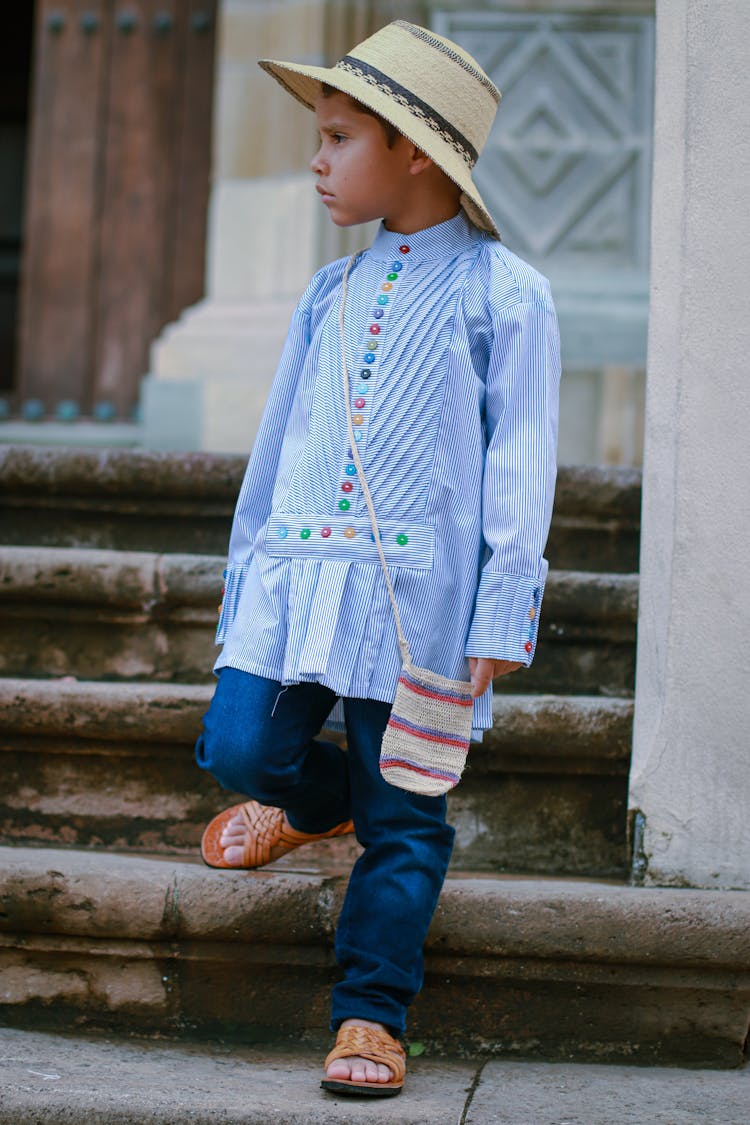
(379, 1069)
(252, 835)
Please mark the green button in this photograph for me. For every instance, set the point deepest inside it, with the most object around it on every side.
(344, 505)
(393, 277)
(305, 533)
(402, 540)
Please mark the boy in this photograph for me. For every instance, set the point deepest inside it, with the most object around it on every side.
(453, 347)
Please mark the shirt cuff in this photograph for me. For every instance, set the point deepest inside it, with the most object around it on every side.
(506, 617)
(234, 584)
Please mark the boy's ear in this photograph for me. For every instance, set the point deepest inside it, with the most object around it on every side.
(420, 161)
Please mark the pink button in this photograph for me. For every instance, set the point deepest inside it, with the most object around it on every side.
(325, 532)
(360, 403)
(374, 329)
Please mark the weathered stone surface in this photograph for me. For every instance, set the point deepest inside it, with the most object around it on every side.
(139, 500)
(111, 764)
(130, 615)
(513, 966)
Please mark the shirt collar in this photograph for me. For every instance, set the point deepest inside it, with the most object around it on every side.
(442, 241)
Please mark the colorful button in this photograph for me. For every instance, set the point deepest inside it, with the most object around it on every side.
(358, 436)
(382, 299)
(372, 345)
(282, 532)
(305, 533)
(365, 374)
(344, 505)
(224, 573)
(351, 470)
(374, 329)
(402, 539)
(349, 532)
(370, 357)
(360, 403)
(528, 646)
(325, 532)
(532, 613)
(393, 277)
(219, 608)
(386, 287)
(397, 266)
(377, 313)
(358, 419)
(405, 249)
(347, 486)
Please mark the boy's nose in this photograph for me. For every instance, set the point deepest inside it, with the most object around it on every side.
(317, 164)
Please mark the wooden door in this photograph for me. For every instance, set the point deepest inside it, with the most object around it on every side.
(117, 192)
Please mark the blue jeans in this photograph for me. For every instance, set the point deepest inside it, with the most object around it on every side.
(259, 738)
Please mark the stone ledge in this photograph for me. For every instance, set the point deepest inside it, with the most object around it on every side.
(549, 726)
(151, 583)
(561, 968)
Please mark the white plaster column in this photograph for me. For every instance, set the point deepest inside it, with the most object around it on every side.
(690, 779)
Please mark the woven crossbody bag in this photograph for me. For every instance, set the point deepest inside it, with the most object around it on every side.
(426, 741)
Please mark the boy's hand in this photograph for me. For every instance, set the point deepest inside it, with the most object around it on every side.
(483, 670)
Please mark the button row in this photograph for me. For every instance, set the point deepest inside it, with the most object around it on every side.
(348, 532)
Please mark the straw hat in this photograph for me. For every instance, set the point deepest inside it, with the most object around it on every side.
(433, 92)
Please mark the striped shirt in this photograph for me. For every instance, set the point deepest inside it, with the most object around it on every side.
(454, 365)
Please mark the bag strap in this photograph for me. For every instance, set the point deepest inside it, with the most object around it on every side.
(402, 642)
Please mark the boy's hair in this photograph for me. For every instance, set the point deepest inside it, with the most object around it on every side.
(391, 132)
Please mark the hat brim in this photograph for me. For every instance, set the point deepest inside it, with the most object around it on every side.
(304, 83)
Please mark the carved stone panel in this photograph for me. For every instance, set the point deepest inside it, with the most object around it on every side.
(567, 167)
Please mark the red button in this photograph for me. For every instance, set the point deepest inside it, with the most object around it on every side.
(347, 486)
(528, 646)
(374, 329)
(359, 403)
(405, 249)
(325, 532)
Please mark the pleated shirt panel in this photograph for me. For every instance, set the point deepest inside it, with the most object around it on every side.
(453, 363)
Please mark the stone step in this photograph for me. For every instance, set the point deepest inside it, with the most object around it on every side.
(94, 763)
(140, 500)
(547, 968)
(102, 614)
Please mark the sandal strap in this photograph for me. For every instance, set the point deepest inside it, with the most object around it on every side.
(266, 830)
(370, 1043)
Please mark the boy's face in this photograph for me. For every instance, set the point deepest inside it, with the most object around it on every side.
(359, 177)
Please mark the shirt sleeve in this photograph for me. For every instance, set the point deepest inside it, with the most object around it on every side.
(255, 498)
(521, 412)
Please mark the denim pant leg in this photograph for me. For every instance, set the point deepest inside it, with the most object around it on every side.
(259, 739)
(395, 884)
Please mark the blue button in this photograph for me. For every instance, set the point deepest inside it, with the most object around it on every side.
(370, 357)
(365, 374)
(358, 436)
(377, 313)
(397, 266)
(382, 299)
(351, 470)
(282, 532)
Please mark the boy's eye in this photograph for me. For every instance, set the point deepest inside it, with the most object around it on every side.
(338, 138)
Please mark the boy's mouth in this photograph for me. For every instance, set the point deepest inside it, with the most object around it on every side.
(324, 193)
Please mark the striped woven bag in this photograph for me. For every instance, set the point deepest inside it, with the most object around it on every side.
(426, 741)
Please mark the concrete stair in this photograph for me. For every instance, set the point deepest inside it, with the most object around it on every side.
(110, 572)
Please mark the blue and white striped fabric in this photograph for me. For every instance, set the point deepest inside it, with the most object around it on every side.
(453, 353)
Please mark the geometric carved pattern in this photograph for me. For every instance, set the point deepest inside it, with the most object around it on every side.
(566, 169)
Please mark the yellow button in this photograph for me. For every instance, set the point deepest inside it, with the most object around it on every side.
(357, 419)
(386, 287)
(532, 613)
(349, 532)
(220, 608)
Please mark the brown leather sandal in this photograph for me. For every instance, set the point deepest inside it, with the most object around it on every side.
(369, 1043)
(266, 830)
